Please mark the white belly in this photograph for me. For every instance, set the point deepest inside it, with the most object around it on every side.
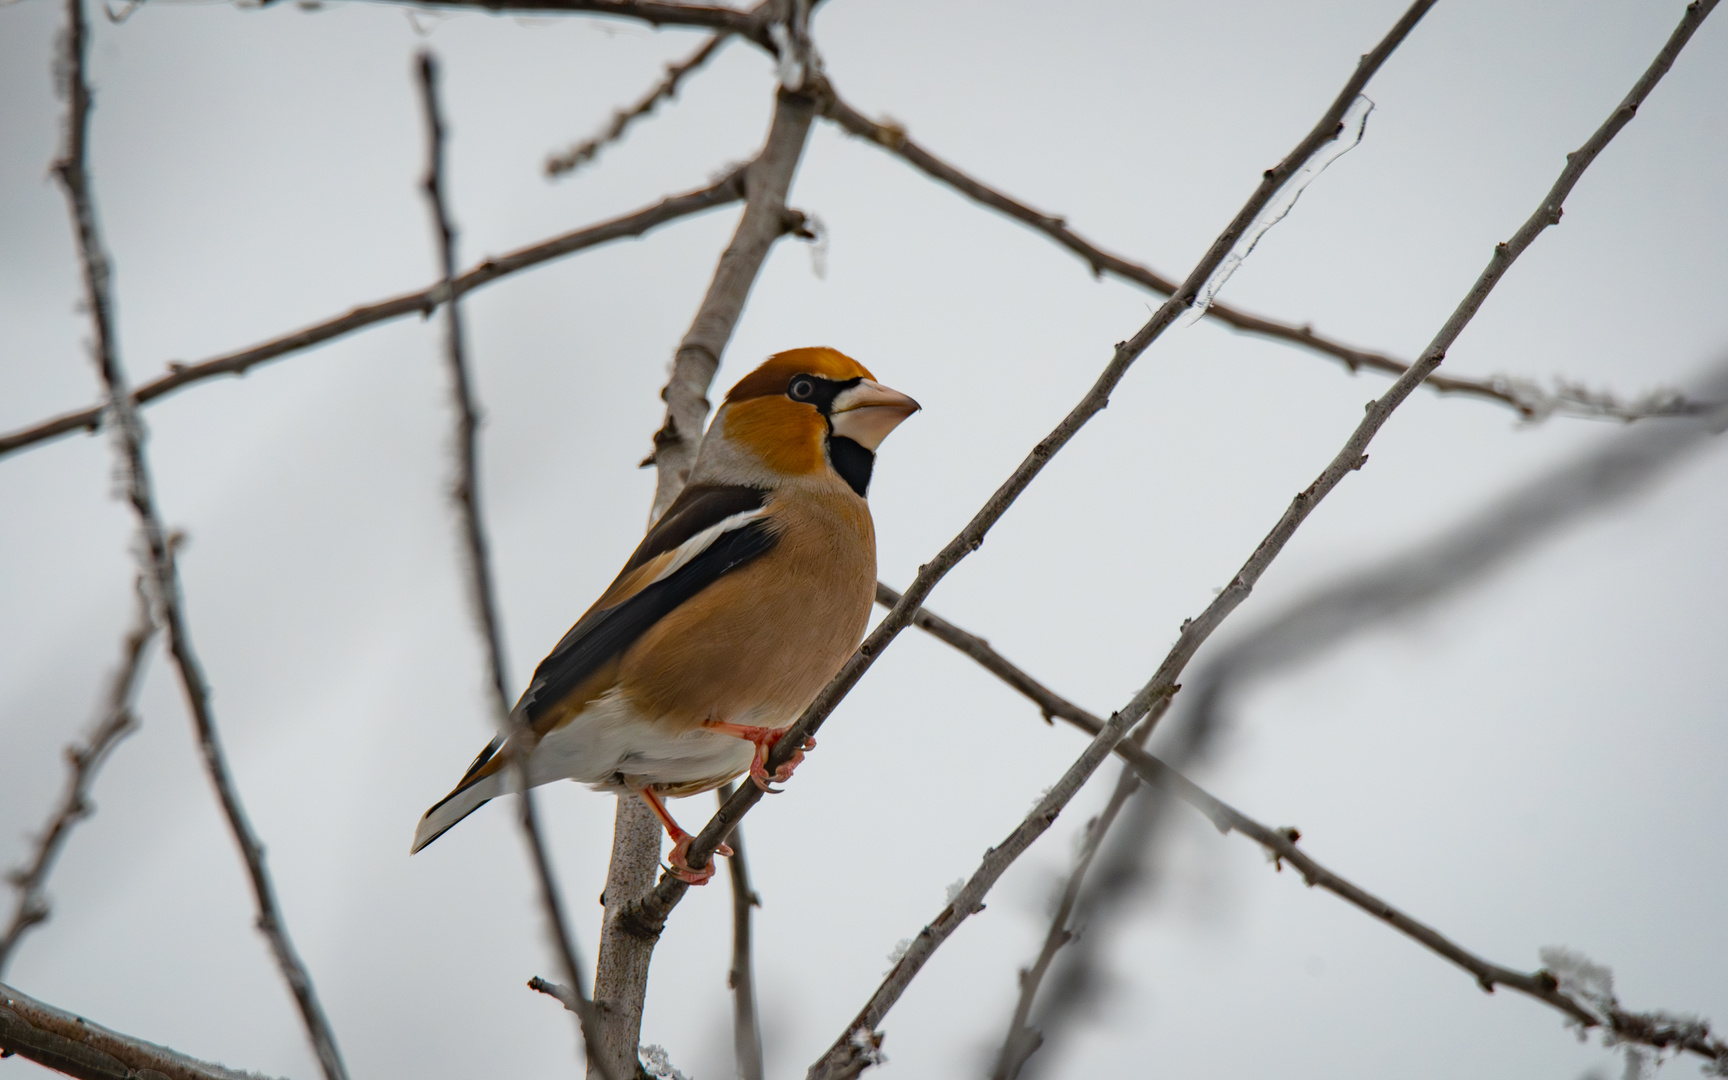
(612, 747)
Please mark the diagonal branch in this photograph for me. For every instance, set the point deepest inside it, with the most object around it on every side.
(670, 890)
(1281, 843)
(1022, 1039)
(665, 90)
(728, 189)
(1530, 400)
(855, 1049)
(85, 761)
(465, 493)
(621, 978)
(70, 1044)
(155, 553)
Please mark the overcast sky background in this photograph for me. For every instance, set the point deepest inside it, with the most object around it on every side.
(1537, 761)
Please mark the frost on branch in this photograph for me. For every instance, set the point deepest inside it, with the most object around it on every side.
(1644, 1038)
(657, 1064)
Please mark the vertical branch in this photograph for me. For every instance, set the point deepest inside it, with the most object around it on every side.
(766, 218)
(466, 495)
(741, 979)
(85, 760)
(156, 554)
(626, 943)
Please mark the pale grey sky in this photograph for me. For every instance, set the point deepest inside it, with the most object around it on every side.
(1538, 761)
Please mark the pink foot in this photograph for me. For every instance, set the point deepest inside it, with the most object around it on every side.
(680, 858)
(679, 862)
(764, 740)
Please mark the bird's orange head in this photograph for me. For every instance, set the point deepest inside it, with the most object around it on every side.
(806, 410)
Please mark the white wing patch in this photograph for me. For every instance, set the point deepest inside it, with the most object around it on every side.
(699, 543)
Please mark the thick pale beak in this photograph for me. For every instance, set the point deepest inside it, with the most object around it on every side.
(866, 413)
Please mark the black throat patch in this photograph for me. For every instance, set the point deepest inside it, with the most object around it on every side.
(852, 462)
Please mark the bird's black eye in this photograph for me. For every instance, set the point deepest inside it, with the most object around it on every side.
(803, 388)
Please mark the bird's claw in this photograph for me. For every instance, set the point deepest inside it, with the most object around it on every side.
(762, 778)
(679, 862)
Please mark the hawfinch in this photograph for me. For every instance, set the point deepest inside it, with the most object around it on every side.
(739, 605)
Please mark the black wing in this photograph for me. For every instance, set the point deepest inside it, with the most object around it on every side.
(604, 633)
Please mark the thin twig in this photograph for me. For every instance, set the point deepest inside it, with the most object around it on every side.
(621, 978)
(669, 890)
(156, 553)
(1391, 588)
(728, 189)
(741, 978)
(1277, 842)
(854, 1050)
(1530, 400)
(656, 13)
(665, 90)
(70, 1044)
(1022, 1039)
(465, 493)
(84, 761)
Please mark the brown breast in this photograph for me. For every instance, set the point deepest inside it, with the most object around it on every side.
(764, 639)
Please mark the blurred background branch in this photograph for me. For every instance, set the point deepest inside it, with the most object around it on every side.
(84, 760)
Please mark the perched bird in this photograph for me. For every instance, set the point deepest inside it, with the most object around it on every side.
(739, 605)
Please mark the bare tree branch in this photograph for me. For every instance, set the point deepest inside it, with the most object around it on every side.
(855, 1049)
(655, 907)
(665, 90)
(621, 978)
(156, 554)
(766, 218)
(741, 979)
(84, 761)
(728, 189)
(1422, 576)
(657, 13)
(1282, 844)
(1529, 399)
(1022, 1039)
(1649, 1029)
(465, 493)
(72, 1045)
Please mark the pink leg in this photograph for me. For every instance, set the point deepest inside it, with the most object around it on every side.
(764, 740)
(680, 843)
